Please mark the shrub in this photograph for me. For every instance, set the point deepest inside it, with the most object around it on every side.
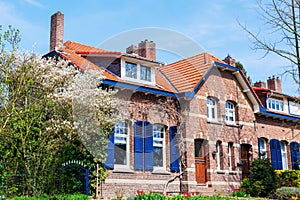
(286, 193)
(262, 181)
(288, 178)
(56, 197)
(239, 192)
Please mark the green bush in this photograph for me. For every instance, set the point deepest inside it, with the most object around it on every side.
(288, 178)
(56, 197)
(286, 193)
(241, 192)
(262, 181)
(156, 196)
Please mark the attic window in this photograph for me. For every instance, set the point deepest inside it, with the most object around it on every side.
(275, 104)
(145, 73)
(131, 70)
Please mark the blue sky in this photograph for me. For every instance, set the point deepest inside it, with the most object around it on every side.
(211, 25)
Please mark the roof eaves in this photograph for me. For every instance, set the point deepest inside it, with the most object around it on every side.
(141, 58)
(290, 117)
(139, 88)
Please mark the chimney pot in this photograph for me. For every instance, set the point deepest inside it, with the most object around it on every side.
(147, 49)
(274, 84)
(229, 60)
(260, 84)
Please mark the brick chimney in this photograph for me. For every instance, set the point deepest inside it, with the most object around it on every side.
(274, 84)
(132, 49)
(56, 30)
(229, 60)
(147, 49)
(260, 84)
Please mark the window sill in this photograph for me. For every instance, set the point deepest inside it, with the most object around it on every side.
(123, 170)
(233, 124)
(161, 172)
(221, 171)
(233, 172)
(214, 122)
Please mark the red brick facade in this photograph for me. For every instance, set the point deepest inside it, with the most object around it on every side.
(218, 116)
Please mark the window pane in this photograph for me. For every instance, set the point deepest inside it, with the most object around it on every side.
(131, 70)
(158, 145)
(145, 73)
(121, 137)
(120, 154)
(158, 156)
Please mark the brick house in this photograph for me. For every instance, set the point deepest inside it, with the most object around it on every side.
(199, 116)
(278, 125)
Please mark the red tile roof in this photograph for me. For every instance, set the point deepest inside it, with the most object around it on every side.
(83, 64)
(72, 52)
(186, 74)
(85, 49)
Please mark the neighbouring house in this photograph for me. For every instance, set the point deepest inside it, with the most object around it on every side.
(278, 125)
(198, 116)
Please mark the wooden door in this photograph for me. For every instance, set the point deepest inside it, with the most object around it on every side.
(245, 158)
(200, 164)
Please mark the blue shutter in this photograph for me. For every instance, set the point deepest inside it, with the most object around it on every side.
(174, 151)
(259, 141)
(276, 154)
(273, 153)
(294, 147)
(279, 156)
(138, 145)
(148, 153)
(109, 163)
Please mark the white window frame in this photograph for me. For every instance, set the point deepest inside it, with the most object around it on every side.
(275, 104)
(263, 148)
(125, 127)
(136, 70)
(211, 109)
(159, 142)
(138, 77)
(284, 155)
(230, 112)
(147, 73)
(218, 157)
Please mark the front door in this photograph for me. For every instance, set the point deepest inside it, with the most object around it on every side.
(200, 163)
(245, 158)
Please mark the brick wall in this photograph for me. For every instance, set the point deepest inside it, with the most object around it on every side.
(156, 110)
(223, 86)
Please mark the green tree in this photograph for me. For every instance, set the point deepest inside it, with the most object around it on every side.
(37, 121)
(240, 65)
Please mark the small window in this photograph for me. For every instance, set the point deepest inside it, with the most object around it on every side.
(121, 131)
(131, 70)
(211, 109)
(275, 104)
(145, 73)
(283, 155)
(230, 156)
(219, 155)
(262, 148)
(159, 146)
(230, 112)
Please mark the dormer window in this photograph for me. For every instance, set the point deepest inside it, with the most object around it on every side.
(145, 73)
(275, 104)
(130, 70)
(137, 72)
